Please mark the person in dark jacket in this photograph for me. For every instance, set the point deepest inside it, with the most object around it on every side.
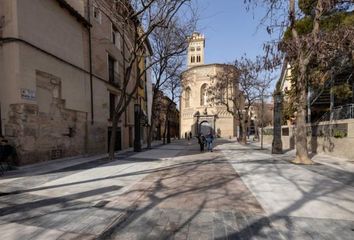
(201, 142)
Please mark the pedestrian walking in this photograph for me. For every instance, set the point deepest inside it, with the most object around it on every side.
(209, 140)
(201, 142)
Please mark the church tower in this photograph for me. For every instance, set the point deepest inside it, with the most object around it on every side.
(198, 113)
(196, 50)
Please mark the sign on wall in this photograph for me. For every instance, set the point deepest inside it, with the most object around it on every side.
(28, 94)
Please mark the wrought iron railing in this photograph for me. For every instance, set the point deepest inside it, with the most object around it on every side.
(317, 93)
(339, 113)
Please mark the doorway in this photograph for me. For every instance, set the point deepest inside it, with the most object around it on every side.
(205, 128)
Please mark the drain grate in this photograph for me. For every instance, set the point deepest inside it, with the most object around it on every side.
(101, 204)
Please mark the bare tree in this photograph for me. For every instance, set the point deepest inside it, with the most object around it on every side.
(135, 21)
(172, 89)
(314, 33)
(236, 88)
(169, 47)
(263, 87)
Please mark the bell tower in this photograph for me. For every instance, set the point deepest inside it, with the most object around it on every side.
(196, 45)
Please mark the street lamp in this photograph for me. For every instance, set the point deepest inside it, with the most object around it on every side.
(197, 115)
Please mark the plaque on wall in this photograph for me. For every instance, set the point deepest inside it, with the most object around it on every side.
(28, 94)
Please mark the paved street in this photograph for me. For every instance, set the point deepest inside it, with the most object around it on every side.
(176, 192)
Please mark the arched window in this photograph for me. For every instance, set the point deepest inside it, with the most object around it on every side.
(204, 95)
(192, 49)
(187, 97)
(198, 59)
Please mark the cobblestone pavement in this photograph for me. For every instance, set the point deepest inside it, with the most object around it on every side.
(302, 202)
(176, 192)
(198, 196)
(67, 199)
(221, 195)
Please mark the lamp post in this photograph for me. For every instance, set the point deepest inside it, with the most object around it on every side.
(197, 115)
(277, 145)
(137, 114)
(168, 131)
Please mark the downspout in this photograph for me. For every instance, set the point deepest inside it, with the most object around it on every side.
(90, 60)
(0, 122)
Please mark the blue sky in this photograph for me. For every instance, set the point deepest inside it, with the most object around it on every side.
(230, 30)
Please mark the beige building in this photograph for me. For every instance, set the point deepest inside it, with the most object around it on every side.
(167, 123)
(53, 104)
(198, 113)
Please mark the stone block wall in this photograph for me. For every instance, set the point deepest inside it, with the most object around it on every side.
(322, 142)
(41, 136)
(97, 138)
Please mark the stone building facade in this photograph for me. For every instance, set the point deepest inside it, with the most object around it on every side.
(198, 113)
(167, 120)
(53, 104)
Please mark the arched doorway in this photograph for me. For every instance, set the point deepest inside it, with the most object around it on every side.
(205, 128)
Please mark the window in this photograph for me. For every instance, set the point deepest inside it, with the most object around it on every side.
(192, 49)
(112, 70)
(187, 97)
(198, 48)
(198, 59)
(97, 14)
(112, 103)
(115, 37)
(203, 95)
(117, 40)
(142, 84)
(141, 79)
(193, 59)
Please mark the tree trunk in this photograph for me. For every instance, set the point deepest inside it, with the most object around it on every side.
(244, 130)
(153, 118)
(168, 132)
(302, 156)
(113, 137)
(164, 135)
(150, 134)
(277, 145)
(167, 124)
(262, 122)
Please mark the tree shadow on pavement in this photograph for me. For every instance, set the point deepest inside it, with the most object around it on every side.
(168, 185)
(186, 197)
(190, 151)
(286, 223)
